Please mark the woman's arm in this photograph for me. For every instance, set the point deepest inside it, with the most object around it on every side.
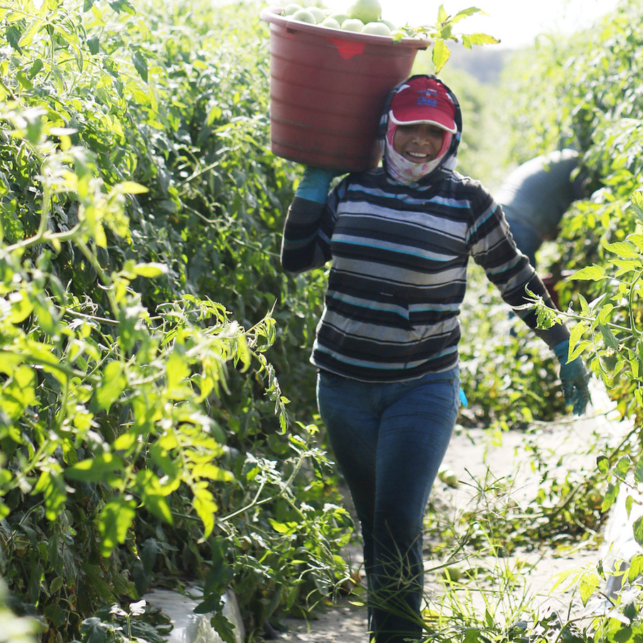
(493, 247)
(309, 223)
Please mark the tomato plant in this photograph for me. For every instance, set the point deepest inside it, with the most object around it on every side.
(143, 427)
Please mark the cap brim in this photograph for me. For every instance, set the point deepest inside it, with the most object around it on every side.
(453, 129)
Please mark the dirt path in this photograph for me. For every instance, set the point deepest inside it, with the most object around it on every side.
(472, 455)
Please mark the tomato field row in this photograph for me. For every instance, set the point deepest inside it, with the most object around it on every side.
(157, 407)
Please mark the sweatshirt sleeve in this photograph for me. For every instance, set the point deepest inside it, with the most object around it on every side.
(307, 232)
(493, 248)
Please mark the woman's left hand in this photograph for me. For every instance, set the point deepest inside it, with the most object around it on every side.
(574, 378)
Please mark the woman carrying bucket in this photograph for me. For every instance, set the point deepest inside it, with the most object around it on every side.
(399, 238)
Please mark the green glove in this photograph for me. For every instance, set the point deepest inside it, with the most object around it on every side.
(314, 184)
(574, 378)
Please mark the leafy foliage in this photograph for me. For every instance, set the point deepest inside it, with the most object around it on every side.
(137, 417)
(594, 82)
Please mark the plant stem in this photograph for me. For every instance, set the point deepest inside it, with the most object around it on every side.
(632, 322)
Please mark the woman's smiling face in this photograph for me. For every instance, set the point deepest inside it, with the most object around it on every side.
(418, 143)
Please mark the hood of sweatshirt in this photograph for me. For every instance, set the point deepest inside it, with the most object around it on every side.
(449, 160)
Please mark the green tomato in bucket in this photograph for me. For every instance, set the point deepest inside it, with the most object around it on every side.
(353, 24)
(291, 8)
(331, 23)
(366, 10)
(303, 15)
(376, 29)
(319, 14)
(340, 17)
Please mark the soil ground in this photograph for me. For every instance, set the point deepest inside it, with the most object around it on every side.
(472, 455)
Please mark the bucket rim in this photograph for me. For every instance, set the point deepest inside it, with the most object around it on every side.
(273, 15)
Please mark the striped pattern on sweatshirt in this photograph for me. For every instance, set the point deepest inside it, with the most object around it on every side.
(399, 270)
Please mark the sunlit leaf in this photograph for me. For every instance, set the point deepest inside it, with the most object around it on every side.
(150, 269)
(594, 273)
(440, 55)
(113, 522)
(111, 386)
(622, 249)
(95, 469)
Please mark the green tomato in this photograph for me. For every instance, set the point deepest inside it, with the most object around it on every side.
(377, 29)
(303, 15)
(291, 8)
(353, 24)
(319, 14)
(366, 10)
(389, 24)
(331, 23)
(453, 573)
(340, 17)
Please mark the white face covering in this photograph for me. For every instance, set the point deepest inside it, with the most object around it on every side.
(405, 171)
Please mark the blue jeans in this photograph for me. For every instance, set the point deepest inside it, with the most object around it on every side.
(389, 441)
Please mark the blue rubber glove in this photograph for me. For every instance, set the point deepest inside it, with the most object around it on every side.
(574, 378)
(315, 184)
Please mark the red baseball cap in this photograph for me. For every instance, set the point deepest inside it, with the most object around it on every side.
(423, 100)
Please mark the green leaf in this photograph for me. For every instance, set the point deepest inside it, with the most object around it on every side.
(466, 13)
(638, 531)
(224, 628)
(113, 522)
(150, 270)
(578, 351)
(624, 266)
(96, 469)
(638, 470)
(637, 203)
(441, 54)
(21, 307)
(125, 441)
(593, 273)
(636, 568)
(130, 187)
(608, 337)
(140, 64)
(584, 306)
(205, 506)
(111, 386)
(623, 466)
(636, 239)
(243, 353)
(211, 472)
(588, 585)
(603, 316)
(157, 505)
(603, 463)
(482, 39)
(28, 36)
(279, 527)
(177, 371)
(622, 249)
(93, 44)
(442, 14)
(610, 497)
(575, 335)
(54, 491)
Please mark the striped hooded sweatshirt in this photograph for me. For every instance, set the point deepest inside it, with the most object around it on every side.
(399, 268)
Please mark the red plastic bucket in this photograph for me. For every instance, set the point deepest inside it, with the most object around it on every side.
(327, 91)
